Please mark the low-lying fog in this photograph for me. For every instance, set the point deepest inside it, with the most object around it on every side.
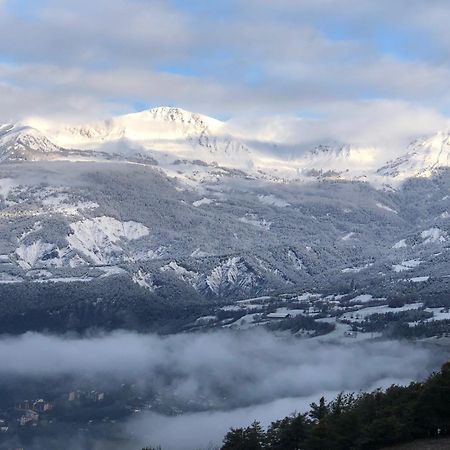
(238, 377)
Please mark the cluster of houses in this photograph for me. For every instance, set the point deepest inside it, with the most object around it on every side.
(25, 413)
(93, 396)
(31, 410)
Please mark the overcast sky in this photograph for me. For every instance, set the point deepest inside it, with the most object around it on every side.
(369, 70)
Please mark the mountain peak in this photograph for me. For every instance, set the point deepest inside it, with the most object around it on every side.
(169, 111)
(166, 133)
(170, 114)
(424, 156)
(21, 142)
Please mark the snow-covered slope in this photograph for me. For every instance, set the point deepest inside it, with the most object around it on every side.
(173, 135)
(156, 124)
(423, 157)
(98, 238)
(173, 131)
(198, 147)
(19, 143)
(225, 239)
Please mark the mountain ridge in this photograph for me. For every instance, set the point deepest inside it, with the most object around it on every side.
(169, 134)
(170, 219)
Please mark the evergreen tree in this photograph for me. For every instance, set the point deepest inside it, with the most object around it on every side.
(318, 411)
(287, 434)
(250, 438)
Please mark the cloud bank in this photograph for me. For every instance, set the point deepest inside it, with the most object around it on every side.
(233, 377)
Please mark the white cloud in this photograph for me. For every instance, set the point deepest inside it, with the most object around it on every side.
(386, 126)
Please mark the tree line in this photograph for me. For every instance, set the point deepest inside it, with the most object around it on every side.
(366, 421)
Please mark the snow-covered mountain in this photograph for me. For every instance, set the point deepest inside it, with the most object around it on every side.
(222, 238)
(24, 143)
(191, 145)
(174, 136)
(424, 156)
(153, 125)
(166, 204)
(168, 133)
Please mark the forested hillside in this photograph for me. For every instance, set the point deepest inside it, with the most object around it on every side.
(366, 421)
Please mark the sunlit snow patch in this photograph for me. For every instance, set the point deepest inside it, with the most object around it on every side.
(98, 238)
(433, 235)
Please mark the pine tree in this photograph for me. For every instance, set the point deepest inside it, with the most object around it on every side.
(250, 438)
(318, 411)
